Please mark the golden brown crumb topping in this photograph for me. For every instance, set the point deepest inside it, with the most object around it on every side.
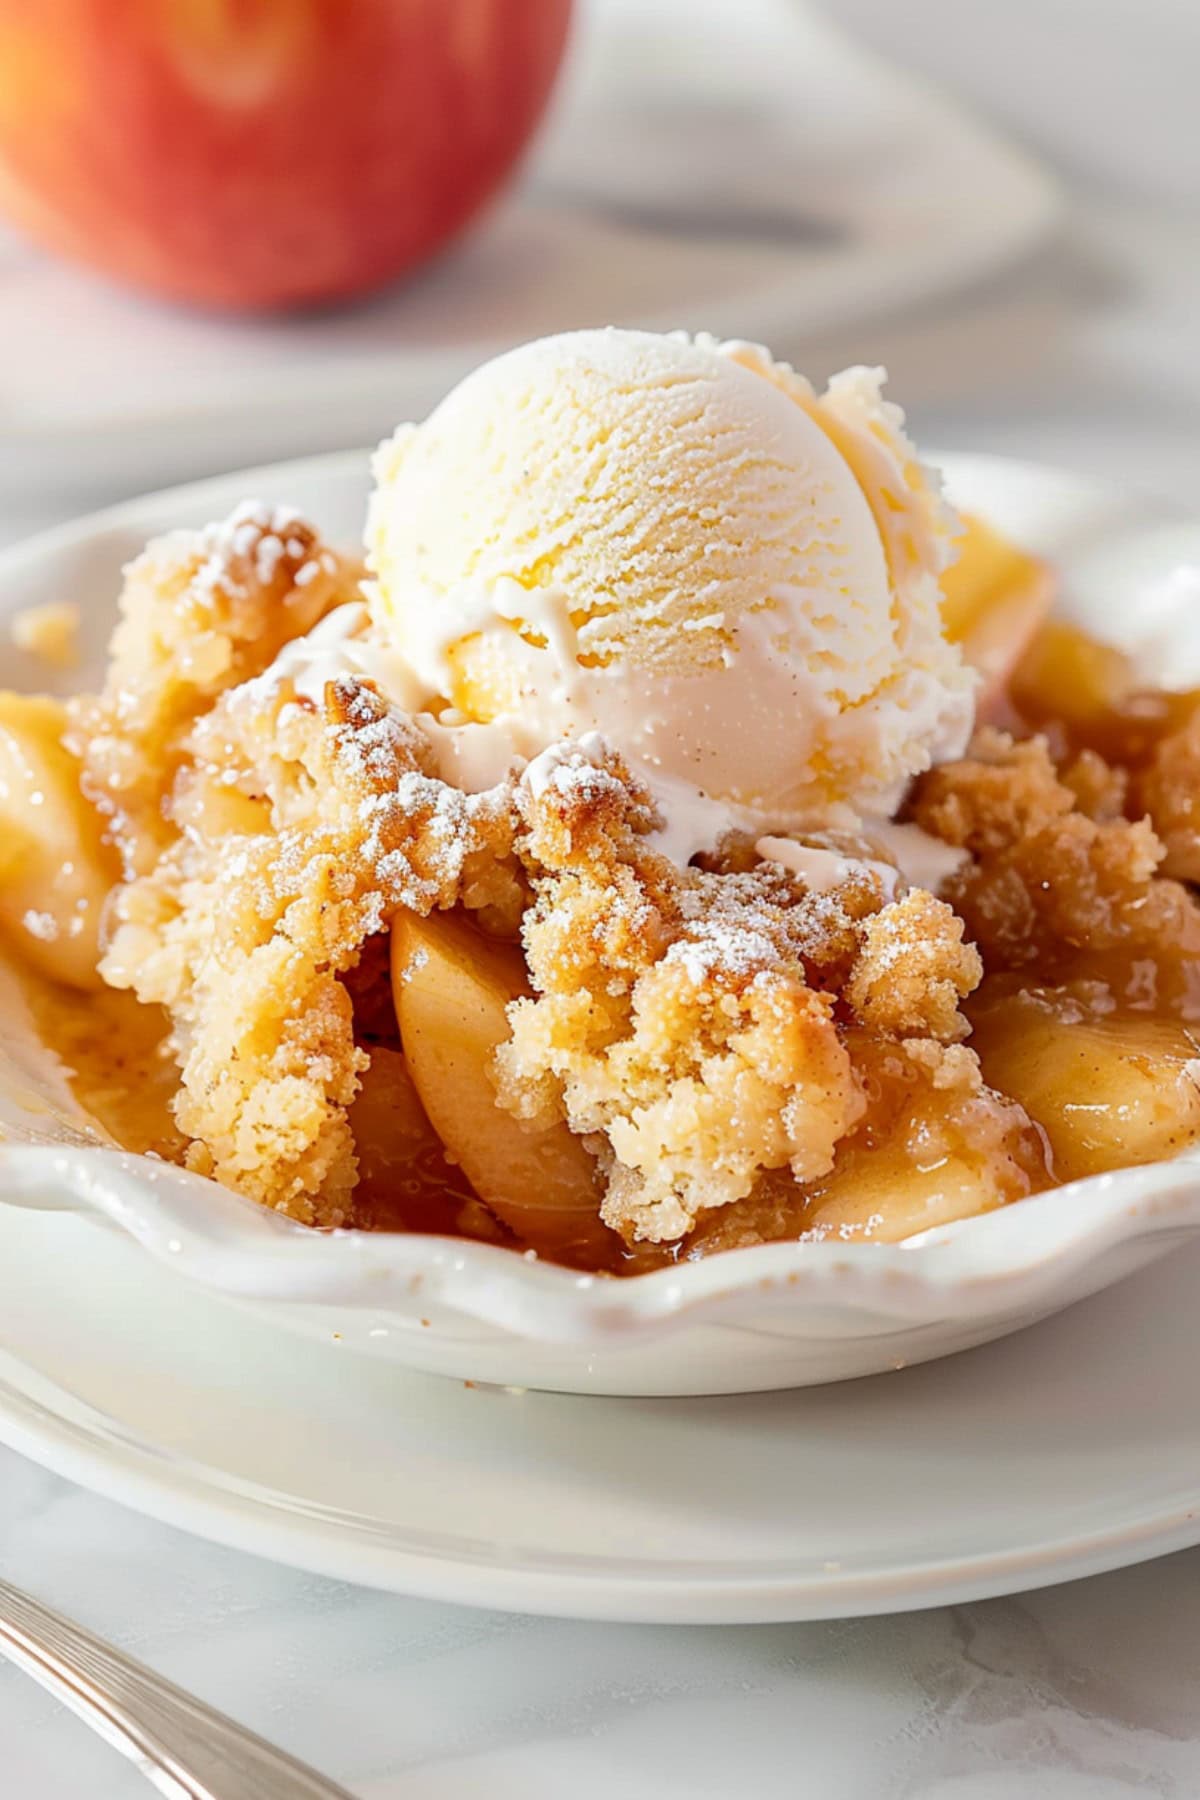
(693, 1019)
(1169, 789)
(690, 1023)
(1048, 885)
(299, 830)
(244, 935)
(201, 611)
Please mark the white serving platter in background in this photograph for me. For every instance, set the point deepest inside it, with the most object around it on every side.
(743, 169)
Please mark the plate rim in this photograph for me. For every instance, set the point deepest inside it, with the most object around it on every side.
(170, 1489)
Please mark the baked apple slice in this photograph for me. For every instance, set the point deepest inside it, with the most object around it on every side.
(875, 1191)
(937, 1145)
(1110, 1092)
(1068, 678)
(452, 987)
(55, 868)
(405, 1180)
(887, 1196)
(994, 598)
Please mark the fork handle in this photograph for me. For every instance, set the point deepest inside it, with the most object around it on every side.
(186, 1749)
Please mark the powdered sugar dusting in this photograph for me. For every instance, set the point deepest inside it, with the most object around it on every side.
(255, 546)
(725, 947)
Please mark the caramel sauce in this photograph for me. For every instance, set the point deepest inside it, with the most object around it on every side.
(406, 1182)
(113, 1053)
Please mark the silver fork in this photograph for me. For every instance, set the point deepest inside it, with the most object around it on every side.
(183, 1748)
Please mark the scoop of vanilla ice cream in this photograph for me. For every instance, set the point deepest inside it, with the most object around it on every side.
(677, 544)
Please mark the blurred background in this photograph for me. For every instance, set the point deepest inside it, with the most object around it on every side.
(238, 230)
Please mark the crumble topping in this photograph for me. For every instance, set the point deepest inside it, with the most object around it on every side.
(267, 839)
(304, 829)
(1169, 789)
(913, 968)
(929, 1110)
(201, 611)
(1047, 882)
(50, 632)
(690, 1017)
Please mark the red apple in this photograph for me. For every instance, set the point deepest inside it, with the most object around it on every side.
(264, 153)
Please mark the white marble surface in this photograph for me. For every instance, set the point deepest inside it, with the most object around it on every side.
(1088, 357)
(1086, 1690)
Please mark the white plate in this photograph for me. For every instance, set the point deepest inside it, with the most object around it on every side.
(742, 169)
(773, 1317)
(1070, 1449)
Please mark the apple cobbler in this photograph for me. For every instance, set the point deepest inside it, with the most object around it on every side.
(282, 935)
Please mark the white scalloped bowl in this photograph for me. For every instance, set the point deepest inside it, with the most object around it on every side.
(782, 1315)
